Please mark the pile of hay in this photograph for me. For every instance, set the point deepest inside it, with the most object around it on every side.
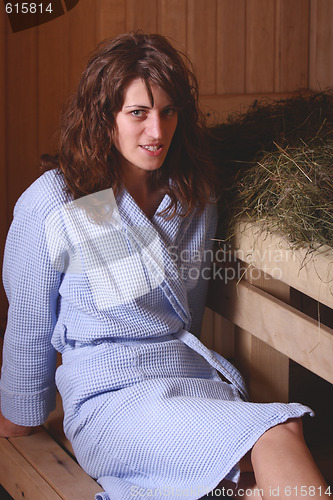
(276, 165)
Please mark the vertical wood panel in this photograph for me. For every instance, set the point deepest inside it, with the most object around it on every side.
(230, 57)
(172, 22)
(207, 329)
(52, 81)
(202, 42)
(22, 117)
(321, 45)
(82, 39)
(260, 45)
(313, 45)
(224, 336)
(3, 171)
(141, 15)
(111, 18)
(294, 45)
(265, 368)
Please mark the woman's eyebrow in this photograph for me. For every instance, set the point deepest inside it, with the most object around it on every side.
(141, 106)
(137, 106)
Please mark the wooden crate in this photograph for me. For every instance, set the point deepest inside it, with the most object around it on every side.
(257, 293)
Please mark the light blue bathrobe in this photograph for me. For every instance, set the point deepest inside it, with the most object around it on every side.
(149, 410)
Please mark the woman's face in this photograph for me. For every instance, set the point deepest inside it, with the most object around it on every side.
(144, 132)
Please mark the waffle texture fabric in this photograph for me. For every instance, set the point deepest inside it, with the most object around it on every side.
(150, 411)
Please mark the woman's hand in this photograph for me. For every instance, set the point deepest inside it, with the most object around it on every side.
(9, 429)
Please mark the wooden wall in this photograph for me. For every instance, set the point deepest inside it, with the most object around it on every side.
(242, 49)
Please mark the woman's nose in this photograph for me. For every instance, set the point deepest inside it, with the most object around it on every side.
(154, 126)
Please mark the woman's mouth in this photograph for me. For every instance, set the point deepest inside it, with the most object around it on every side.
(152, 149)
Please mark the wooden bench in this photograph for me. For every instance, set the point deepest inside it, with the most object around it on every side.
(42, 466)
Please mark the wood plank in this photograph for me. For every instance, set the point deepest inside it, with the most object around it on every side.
(279, 325)
(111, 18)
(52, 81)
(310, 272)
(321, 45)
(230, 57)
(260, 45)
(81, 39)
(313, 84)
(277, 59)
(266, 368)
(202, 43)
(218, 108)
(55, 466)
(172, 16)
(141, 15)
(293, 45)
(22, 118)
(207, 330)
(217, 333)
(19, 478)
(4, 218)
(224, 336)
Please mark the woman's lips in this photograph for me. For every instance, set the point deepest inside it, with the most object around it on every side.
(152, 149)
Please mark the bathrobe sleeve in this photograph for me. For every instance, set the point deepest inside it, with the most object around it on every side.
(31, 284)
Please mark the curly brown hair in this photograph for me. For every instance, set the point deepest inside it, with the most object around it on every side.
(86, 155)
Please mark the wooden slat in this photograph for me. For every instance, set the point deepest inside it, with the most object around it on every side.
(207, 329)
(219, 107)
(82, 39)
(52, 81)
(141, 15)
(321, 44)
(217, 333)
(308, 271)
(22, 115)
(293, 45)
(279, 325)
(4, 218)
(260, 45)
(172, 15)
(111, 18)
(224, 336)
(266, 369)
(202, 42)
(55, 466)
(19, 478)
(230, 57)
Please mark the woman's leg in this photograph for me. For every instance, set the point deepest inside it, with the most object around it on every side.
(283, 465)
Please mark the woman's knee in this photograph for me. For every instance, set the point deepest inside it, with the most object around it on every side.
(288, 431)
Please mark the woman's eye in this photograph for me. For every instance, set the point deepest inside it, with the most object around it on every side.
(138, 113)
(170, 111)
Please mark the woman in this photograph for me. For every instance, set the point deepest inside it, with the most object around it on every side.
(106, 263)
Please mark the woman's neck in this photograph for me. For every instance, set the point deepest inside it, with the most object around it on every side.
(147, 196)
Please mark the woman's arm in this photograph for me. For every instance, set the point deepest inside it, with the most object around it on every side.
(29, 360)
(9, 429)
